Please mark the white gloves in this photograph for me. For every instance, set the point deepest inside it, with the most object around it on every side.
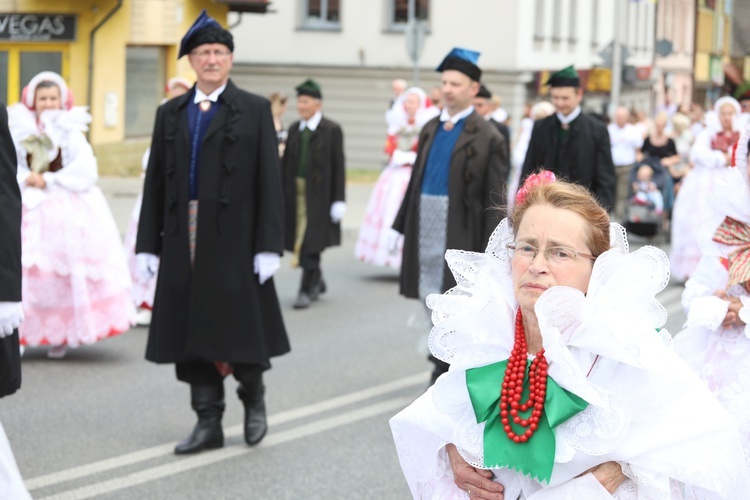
(148, 265)
(265, 264)
(391, 240)
(11, 315)
(338, 209)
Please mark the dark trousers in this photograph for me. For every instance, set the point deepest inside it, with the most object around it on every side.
(10, 365)
(309, 261)
(206, 373)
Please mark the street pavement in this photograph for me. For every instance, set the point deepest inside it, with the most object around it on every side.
(102, 422)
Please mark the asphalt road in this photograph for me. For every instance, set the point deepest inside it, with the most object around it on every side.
(102, 422)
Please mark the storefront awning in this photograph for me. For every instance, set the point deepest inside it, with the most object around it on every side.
(252, 6)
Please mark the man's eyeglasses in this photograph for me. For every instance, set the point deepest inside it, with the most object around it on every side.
(560, 256)
(206, 54)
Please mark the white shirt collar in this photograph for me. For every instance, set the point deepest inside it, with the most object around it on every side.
(444, 116)
(565, 120)
(213, 96)
(312, 123)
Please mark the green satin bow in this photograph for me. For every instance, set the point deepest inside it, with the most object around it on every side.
(537, 455)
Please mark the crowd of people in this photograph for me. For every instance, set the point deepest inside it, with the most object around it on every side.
(552, 375)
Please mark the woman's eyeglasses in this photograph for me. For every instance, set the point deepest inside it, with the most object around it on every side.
(558, 255)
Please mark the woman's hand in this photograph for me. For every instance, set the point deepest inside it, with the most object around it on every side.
(477, 483)
(36, 180)
(609, 475)
(732, 319)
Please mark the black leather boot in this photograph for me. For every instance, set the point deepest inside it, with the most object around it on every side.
(252, 395)
(208, 403)
(304, 298)
(317, 285)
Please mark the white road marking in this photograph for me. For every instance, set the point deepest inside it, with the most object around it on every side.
(209, 458)
(276, 419)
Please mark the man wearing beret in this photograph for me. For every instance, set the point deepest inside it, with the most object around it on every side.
(314, 176)
(11, 313)
(573, 145)
(457, 185)
(213, 212)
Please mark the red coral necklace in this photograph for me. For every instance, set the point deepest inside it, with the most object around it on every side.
(512, 388)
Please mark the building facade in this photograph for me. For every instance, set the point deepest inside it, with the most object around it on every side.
(675, 38)
(355, 49)
(713, 42)
(116, 56)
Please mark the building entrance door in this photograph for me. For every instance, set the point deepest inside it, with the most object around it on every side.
(20, 62)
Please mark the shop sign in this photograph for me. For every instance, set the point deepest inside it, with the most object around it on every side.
(20, 27)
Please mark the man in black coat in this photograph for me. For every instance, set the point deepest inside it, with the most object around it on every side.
(314, 176)
(483, 106)
(213, 214)
(573, 145)
(11, 314)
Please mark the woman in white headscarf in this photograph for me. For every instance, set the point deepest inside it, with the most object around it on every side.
(692, 222)
(378, 244)
(76, 285)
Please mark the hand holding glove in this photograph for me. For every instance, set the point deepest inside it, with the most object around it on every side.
(11, 315)
(148, 265)
(265, 264)
(338, 209)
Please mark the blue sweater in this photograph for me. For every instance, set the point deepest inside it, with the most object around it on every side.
(437, 168)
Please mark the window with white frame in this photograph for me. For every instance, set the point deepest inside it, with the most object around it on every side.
(594, 24)
(321, 14)
(402, 11)
(556, 21)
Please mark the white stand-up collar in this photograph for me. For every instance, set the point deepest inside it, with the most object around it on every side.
(312, 123)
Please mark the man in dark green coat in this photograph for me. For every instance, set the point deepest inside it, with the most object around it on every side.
(314, 177)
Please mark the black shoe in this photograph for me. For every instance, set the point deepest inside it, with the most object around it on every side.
(303, 300)
(317, 285)
(208, 403)
(255, 414)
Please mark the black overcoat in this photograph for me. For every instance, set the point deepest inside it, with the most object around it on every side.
(218, 311)
(325, 184)
(477, 180)
(10, 254)
(588, 161)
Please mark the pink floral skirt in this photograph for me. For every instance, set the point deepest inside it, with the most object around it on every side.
(76, 284)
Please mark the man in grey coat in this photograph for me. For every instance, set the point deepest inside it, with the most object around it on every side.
(456, 194)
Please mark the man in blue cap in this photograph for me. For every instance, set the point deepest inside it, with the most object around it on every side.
(213, 212)
(314, 175)
(572, 144)
(458, 180)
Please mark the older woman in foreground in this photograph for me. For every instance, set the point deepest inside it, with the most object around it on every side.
(561, 383)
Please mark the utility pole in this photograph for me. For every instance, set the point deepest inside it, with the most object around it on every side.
(614, 100)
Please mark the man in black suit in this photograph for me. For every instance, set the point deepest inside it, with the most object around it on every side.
(11, 314)
(483, 106)
(213, 211)
(573, 145)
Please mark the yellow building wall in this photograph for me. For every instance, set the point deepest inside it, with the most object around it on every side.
(137, 22)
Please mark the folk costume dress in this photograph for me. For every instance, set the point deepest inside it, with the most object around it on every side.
(721, 356)
(693, 222)
(615, 389)
(76, 285)
(388, 192)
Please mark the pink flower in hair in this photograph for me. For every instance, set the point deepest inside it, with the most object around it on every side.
(543, 177)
